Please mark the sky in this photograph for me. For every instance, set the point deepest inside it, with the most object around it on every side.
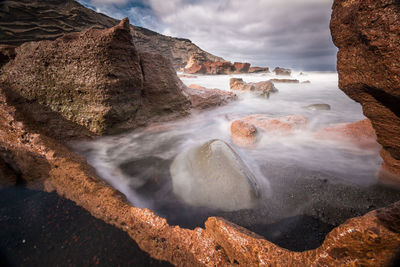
(285, 33)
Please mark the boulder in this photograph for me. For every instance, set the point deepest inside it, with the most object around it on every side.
(240, 67)
(202, 98)
(213, 175)
(258, 70)
(219, 67)
(367, 35)
(318, 107)
(262, 88)
(361, 133)
(282, 71)
(97, 79)
(244, 131)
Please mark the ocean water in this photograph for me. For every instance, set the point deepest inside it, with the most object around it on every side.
(304, 181)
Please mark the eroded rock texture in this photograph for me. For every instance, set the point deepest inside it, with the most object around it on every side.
(97, 79)
(367, 35)
(34, 20)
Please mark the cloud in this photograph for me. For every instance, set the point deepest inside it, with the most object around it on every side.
(289, 33)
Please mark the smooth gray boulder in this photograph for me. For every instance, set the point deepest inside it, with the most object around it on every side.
(213, 175)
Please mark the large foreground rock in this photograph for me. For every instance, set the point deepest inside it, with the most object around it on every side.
(367, 35)
(213, 175)
(97, 79)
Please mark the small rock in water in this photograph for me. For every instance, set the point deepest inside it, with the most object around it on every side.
(213, 175)
(318, 107)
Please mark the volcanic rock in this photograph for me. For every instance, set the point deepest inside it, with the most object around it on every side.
(282, 71)
(202, 98)
(360, 133)
(262, 88)
(97, 79)
(213, 175)
(318, 107)
(240, 67)
(35, 20)
(367, 35)
(258, 70)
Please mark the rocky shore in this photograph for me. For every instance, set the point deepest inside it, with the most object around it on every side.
(100, 83)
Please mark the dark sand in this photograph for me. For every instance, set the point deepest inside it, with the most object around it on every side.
(43, 229)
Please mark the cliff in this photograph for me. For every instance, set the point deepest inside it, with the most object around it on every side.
(25, 20)
(367, 35)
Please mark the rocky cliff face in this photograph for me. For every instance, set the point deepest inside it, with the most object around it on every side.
(367, 35)
(34, 20)
(97, 79)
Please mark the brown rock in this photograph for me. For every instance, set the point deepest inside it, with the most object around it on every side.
(282, 71)
(366, 33)
(258, 70)
(36, 20)
(284, 81)
(187, 76)
(360, 133)
(240, 67)
(96, 79)
(202, 98)
(262, 88)
(219, 67)
(243, 133)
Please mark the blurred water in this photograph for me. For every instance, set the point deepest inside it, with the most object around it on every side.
(289, 168)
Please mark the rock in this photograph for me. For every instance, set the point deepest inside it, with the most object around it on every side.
(7, 53)
(262, 88)
(26, 21)
(366, 33)
(219, 67)
(97, 79)
(282, 71)
(187, 76)
(202, 98)
(284, 81)
(244, 131)
(361, 133)
(318, 107)
(213, 175)
(306, 81)
(258, 70)
(240, 67)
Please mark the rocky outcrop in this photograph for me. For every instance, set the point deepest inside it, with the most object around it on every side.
(259, 70)
(262, 88)
(34, 20)
(244, 131)
(97, 79)
(202, 98)
(198, 64)
(282, 71)
(360, 133)
(367, 35)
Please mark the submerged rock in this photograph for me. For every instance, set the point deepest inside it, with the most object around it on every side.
(213, 175)
(259, 70)
(282, 71)
(318, 107)
(262, 88)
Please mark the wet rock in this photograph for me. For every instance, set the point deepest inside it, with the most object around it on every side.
(318, 107)
(202, 98)
(259, 70)
(262, 88)
(240, 67)
(96, 79)
(284, 81)
(361, 133)
(366, 33)
(282, 71)
(213, 175)
(244, 131)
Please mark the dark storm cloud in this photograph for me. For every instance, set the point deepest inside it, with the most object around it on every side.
(289, 33)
